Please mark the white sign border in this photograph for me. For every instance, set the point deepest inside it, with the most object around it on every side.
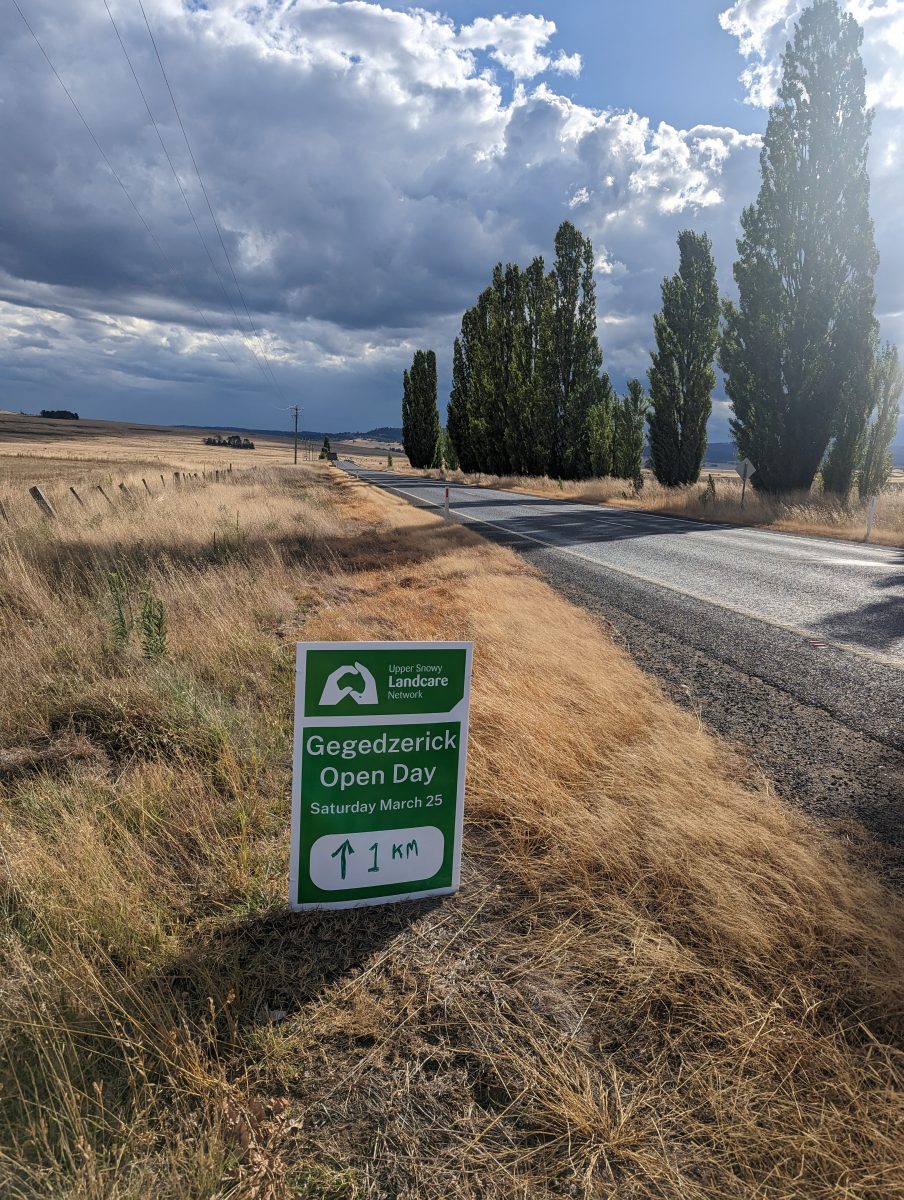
(460, 712)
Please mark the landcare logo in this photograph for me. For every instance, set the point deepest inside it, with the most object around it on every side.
(334, 690)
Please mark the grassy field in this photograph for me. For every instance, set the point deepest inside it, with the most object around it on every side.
(658, 981)
(56, 454)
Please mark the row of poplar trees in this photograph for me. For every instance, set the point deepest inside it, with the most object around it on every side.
(529, 396)
(810, 387)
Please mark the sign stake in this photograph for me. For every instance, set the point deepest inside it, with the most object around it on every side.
(745, 469)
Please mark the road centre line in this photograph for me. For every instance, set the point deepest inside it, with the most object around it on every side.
(861, 651)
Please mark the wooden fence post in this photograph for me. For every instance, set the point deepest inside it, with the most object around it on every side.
(4, 514)
(146, 488)
(125, 491)
(42, 502)
(176, 478)
(78, 497)
(162, 480)
(105, 496)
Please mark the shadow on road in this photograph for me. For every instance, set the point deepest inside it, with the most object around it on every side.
(878, 624)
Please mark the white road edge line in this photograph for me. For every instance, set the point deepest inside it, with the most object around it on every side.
(886, 660)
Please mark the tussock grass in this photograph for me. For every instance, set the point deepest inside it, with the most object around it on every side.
(810, 512)
(657, 981)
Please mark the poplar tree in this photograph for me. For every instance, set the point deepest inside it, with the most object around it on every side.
(528, 395)
(577, 360)
(628, 434)
(504, 386)
(481, 389)
(420, 416)
(682, 376)
(535, 371)
(600, 431)
(458, 418)
(887, 380)
(797, 349)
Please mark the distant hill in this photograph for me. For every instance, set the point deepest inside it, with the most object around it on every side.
(724, 453)
(721, 452)
(383, 433)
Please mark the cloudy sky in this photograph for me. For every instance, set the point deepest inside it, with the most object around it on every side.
(368, 164)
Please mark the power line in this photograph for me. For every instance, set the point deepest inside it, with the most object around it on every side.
(172, 168)
(163, 254)
(205, 192)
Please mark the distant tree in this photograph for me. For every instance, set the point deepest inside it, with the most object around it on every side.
(420, 416)
(887, 380)
(444, 457)
(600, 427)
(325, 450)
(407, 415)
(682, 376)
(628, 438)
(495, 390)
(537, 437)
(528, 393)
(59, 414)
(798, 347)
(458, 415)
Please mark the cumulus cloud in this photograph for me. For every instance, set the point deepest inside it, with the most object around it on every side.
(367, 166)
(518, 44)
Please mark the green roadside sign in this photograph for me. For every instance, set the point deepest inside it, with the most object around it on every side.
(381, 732)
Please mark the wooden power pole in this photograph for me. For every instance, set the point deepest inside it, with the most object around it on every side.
(295, 411)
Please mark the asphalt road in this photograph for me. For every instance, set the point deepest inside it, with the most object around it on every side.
(792, 646)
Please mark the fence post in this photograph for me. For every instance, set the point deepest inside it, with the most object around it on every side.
(4, 514)
(162, 480)
(176, 478)
(105, 496)
(42, 502)
(146, 488)
(77, 496)
(125, 491)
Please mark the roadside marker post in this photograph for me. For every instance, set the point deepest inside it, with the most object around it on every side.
(381, 734)
(745, 469)
(447, 500)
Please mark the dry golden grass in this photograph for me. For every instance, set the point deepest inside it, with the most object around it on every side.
(57, 454)
(657, 981)
(796, 512)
